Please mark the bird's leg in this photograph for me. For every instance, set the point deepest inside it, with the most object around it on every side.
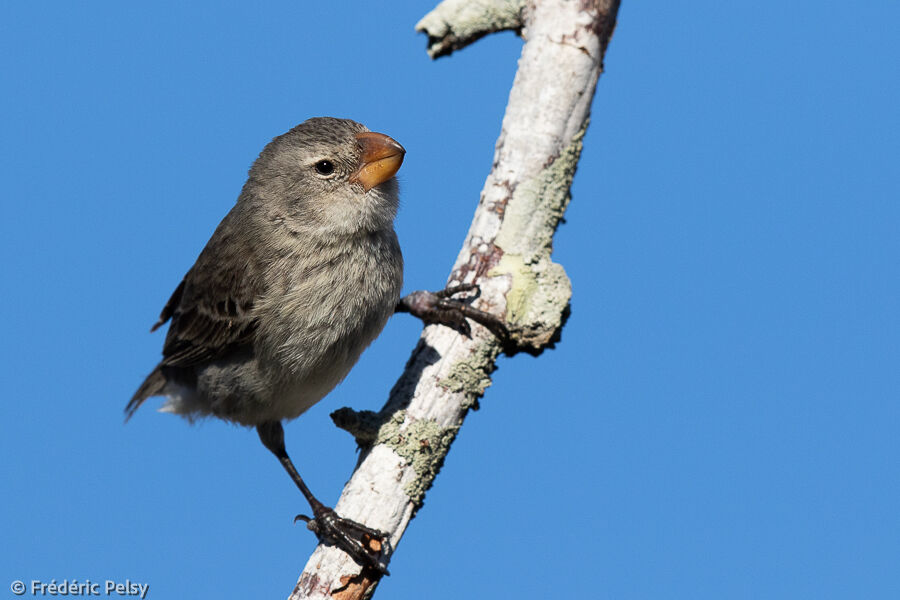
(361, 542)
(441, 308)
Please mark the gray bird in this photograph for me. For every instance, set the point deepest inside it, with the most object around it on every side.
(297, 280)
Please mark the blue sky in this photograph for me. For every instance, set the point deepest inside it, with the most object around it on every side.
(719, 420)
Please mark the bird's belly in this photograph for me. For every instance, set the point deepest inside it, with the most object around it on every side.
(299, 394)
(251, 390)
(316, 333)
(306, 377)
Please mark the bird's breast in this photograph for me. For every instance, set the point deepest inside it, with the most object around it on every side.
(325, 308)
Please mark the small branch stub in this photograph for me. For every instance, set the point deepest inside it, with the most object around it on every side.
(454, 24)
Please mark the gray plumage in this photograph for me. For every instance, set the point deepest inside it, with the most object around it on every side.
(298, 278)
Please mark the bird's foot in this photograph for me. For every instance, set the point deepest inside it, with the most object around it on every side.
(362, 543)
(441, 308)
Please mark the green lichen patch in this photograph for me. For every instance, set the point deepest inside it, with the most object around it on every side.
(472, 374)
(536, 300)
(423, 445)
(524, 286)
(538, 204)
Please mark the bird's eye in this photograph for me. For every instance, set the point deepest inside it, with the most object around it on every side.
(324, 167)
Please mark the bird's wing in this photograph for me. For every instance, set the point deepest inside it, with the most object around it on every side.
(212, 308)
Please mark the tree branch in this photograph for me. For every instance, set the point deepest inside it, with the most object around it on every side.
(507, 252)
(454, 24)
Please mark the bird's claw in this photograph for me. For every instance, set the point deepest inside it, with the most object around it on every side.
(306, 520)
(362, 543)
(441, 308)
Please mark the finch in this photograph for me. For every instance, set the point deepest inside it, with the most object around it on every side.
(295, 282)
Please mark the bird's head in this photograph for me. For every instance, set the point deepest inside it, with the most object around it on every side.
(329, 176)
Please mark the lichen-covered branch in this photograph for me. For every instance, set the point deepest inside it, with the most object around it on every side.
(454, 24)
(507, 253)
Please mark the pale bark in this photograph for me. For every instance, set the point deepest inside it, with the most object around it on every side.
(507, 252)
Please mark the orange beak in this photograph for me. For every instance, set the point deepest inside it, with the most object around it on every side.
(381, 159)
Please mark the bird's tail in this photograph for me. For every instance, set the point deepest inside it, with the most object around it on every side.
(152, 386)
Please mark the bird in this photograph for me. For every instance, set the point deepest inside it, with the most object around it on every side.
(296, 281)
